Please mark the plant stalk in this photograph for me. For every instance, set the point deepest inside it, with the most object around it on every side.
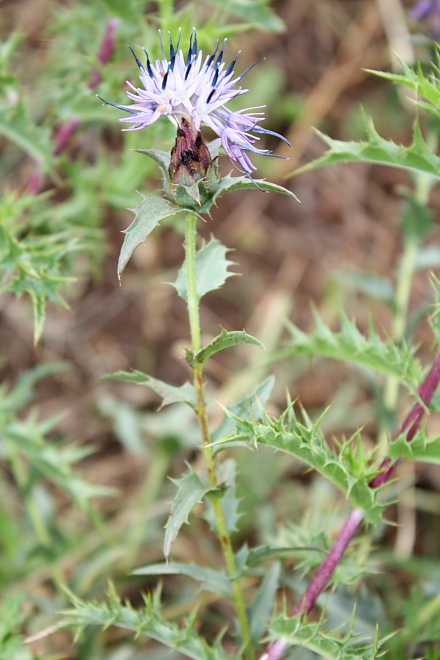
(322, 576)
(202, 415)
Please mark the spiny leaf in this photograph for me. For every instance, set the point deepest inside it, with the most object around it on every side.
(421, 448)
(147, 621)
(348, 470)
(211, 270)
(170, 393)
(418, 157)
(148, 215)
(190, 491)
(224, 340)
(330, 645)
(350, 345)
(248, 407)
(426, 85)
(210, 579)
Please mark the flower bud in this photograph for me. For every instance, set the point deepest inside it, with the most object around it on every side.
(190, 158)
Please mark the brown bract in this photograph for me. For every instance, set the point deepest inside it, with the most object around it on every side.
(190, 158)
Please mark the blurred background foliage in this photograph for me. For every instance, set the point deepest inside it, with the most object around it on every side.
(84, 492)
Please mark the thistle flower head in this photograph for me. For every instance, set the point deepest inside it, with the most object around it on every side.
(196, 90)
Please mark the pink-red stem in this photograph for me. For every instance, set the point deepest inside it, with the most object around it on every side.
(322, 576)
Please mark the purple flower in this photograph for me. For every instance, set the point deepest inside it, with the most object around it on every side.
(429, 9)
(197, 90)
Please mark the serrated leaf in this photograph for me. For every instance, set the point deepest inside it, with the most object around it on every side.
(330, 645)
(348, 470)
(148, 215)
(224, 340)
(350, 345)
(418, 157)
(426, 85)
(421, 448)
(264, 602)
(250, 406)
(170, 393)
(210, 579)
(211, 270)
(190, 491)
(147, 621)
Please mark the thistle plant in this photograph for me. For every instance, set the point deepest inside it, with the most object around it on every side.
(194, 92)
(304, 591)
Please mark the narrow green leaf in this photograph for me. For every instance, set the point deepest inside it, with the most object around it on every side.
(211, 270)
(148, 215)
(170, 393)
(264, 602)
(190, 491)
(230, 183)
(224, 340)
(210, 579)
(265, 552)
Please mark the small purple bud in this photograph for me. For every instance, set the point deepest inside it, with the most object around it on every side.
(107, 48)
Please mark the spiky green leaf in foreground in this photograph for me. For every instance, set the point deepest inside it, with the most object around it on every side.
(421, 448)
(190, 491)
(224, 340)
(330, 645)
(350, 345)
(210, 579)
(147, 621)
(148, 215)
(211, 270)
(170, 393)
(417, 157)
(348, 469)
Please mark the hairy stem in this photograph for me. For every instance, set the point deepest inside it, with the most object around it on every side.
(202, 415)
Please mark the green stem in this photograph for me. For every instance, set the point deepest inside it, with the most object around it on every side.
(202, 415)
(405, 277)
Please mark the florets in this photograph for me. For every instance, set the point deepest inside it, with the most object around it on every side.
(196, 90)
